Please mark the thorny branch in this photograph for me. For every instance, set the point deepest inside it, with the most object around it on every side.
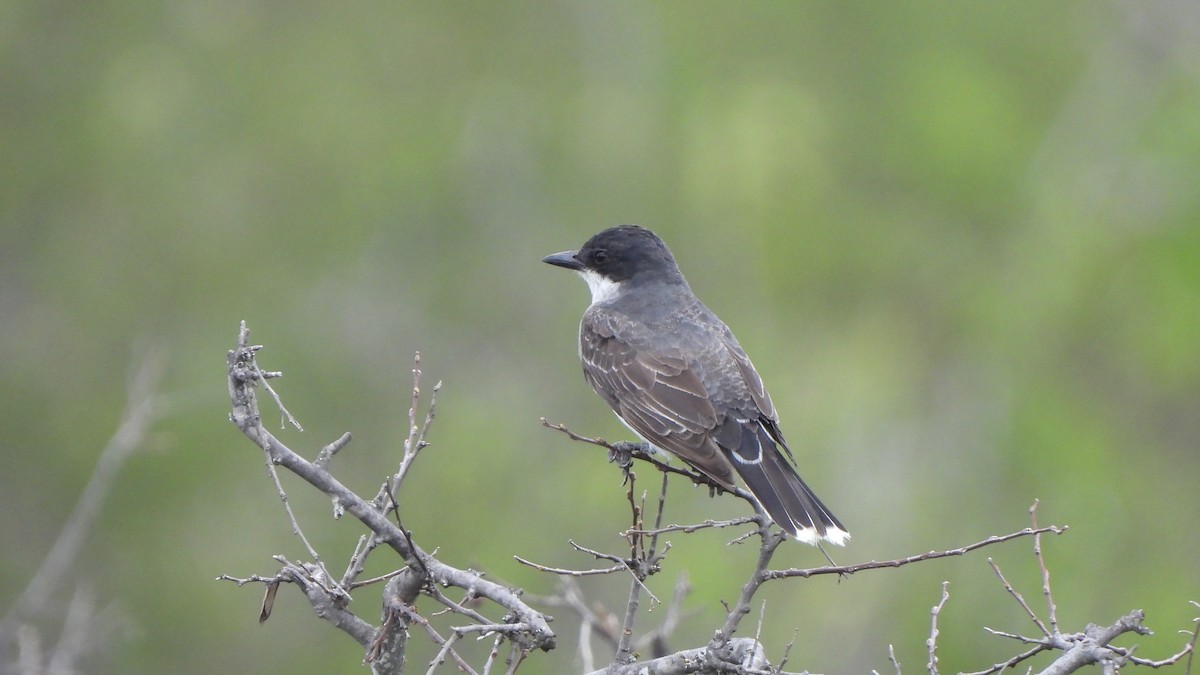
(1091, 646)
(727, 654)
(524, 627)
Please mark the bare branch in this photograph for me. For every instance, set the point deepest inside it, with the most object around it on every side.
(457, 607)
(326, 454)
(1006, 665)
(1018, 638)
(413, 617)
(1020, 600)
(901, 562)
(244, 376)
(700, 660)
(265, 375)
(415, 442)
(655, 640)
(770, 541)
(644, 560)
(1037, 553)
(892, 660)
(625, 641)
(688, 529)
(525, 629)
(443, 652)
(571, 573)
(931, 643)
(1091, 646)
(358, 560)
(334, 587)
(387, 652)
(1189, 649)
(493, 654)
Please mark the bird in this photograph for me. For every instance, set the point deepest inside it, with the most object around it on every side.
(677, 377)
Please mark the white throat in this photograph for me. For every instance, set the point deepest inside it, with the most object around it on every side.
(603, 289)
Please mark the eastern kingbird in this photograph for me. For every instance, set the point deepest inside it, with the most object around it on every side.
(676, 376)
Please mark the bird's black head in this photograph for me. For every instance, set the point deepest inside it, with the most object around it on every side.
(621, 253)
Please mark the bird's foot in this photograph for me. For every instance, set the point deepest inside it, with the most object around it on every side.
(621, 453)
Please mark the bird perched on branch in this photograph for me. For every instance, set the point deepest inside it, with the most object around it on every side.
(676, 376)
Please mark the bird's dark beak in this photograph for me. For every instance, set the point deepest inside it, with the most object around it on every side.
(565, 259)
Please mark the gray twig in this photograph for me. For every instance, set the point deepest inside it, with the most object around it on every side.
(1020, 600)
(1052, 609)
(931, 643)
(901, 562)
(324, 593)
(1092, 646)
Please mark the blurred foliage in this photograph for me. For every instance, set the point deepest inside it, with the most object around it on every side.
(961, 240)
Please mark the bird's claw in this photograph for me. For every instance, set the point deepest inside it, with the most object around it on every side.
(621, 453)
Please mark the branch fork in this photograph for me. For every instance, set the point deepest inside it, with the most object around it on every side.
(522, 626)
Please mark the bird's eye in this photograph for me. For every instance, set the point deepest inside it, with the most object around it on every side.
(600, 256)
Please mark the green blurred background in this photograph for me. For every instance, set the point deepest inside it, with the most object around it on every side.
(960, 240)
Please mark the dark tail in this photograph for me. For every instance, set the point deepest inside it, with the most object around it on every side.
(774, 482)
